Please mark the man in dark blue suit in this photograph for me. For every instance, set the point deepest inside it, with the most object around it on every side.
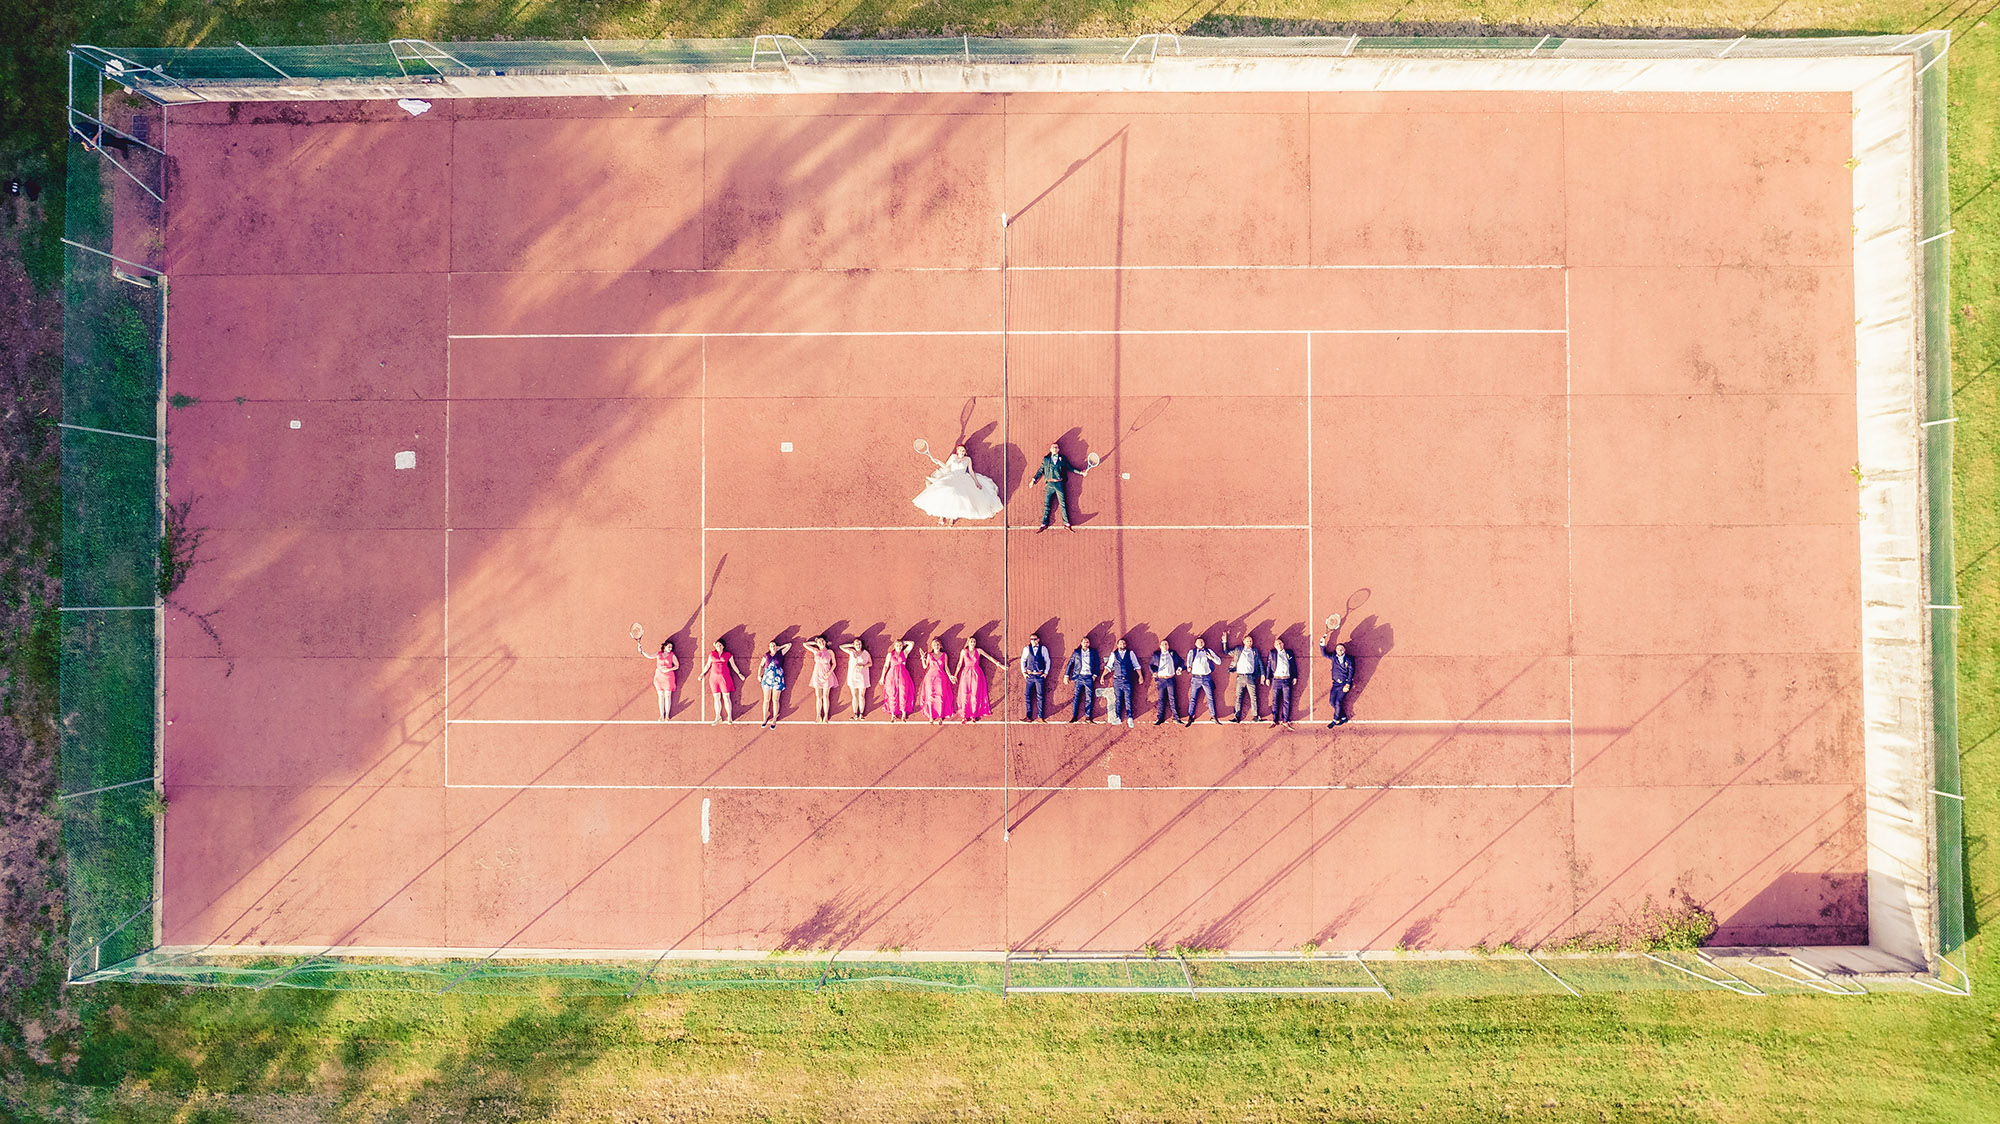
(1034, 679)
(1124, 669)
(1166, 666)
(1283, 671)
(1341, 668)
(1082, 671)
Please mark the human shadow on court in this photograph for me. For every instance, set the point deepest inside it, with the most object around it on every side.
(1370, 641)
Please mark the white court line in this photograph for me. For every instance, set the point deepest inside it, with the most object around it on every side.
(1000, 269)
(1001, 788)
(1025, 528)
(1016, 332)
(968, 725)
(1312, 607)
(1569, 515)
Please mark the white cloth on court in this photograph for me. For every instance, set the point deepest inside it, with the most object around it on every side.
(954, 491)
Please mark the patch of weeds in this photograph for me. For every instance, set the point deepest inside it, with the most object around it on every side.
(181, 401)
(154, 805)
(179, 541)
(1309, 949)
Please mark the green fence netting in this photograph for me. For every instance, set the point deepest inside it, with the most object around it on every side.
(190, 67)
(1935, 205)
(116, 301)
(113, 320)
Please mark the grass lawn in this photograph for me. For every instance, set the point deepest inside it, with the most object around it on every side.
(124, 1052)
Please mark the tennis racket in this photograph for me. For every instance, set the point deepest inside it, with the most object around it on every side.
(638, 630)
(1092, 461)
(922, 446)
(1333, 623)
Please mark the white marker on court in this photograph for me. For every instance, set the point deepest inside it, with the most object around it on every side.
(704, 819)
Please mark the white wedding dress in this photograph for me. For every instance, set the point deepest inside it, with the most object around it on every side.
(954, 491)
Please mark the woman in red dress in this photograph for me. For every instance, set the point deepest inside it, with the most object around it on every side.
(665, 664)
(937, 695)
(719, 668)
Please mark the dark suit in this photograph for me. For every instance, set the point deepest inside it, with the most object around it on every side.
(1054, 469)
(1341, 667)
(1081, 671)
(1125, 668)
(1035, 669)
(1282, 660)
(1166, 665)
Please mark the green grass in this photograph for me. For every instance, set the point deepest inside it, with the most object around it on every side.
(168, 1053)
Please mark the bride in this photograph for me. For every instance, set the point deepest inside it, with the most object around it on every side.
(955, 492)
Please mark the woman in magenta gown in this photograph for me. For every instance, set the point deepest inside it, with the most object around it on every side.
(973, 703)
(938, 694)
(899, 692)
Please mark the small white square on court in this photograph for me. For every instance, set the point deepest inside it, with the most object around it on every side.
(784, 446)
(1114, 781)
(295, 423)
(406, 459)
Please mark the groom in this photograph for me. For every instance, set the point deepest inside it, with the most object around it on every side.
(1055, 469)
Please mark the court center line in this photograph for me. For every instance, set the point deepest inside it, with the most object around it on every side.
(971, 332)
(1312, 606)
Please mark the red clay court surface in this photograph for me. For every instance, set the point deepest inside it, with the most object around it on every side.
(1555, 391)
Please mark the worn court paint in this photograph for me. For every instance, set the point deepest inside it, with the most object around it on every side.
(1536, 367)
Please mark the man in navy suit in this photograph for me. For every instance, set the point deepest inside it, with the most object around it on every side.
(1124, 669)
(1201, 665)
(1342, 670)
(1283, 670)
(1034, 679)
(1082, 671)
(1164, 668)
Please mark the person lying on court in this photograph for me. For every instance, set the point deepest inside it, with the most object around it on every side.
(1124, 669)
(1034, 680)
(1281, 667)
(1053, 471)
(1341, 672)
(1165, 666)
(771, 677)
(1246, 665)
(1201, 665)
(1082, 671)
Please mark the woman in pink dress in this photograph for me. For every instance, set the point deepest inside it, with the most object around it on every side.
(972, 701)
(719, 668)
(665, 664)
(899, 692)
(823, 680)
(937, 695)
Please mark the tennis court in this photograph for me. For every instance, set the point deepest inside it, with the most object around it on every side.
(1551, 392)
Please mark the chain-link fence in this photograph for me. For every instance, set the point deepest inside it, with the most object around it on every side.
(114, 317)
(113, 461)
(176, 73)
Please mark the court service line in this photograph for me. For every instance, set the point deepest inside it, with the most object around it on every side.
(1009, 723)
(1025, 527)
(1001, 788)
(971, 332)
